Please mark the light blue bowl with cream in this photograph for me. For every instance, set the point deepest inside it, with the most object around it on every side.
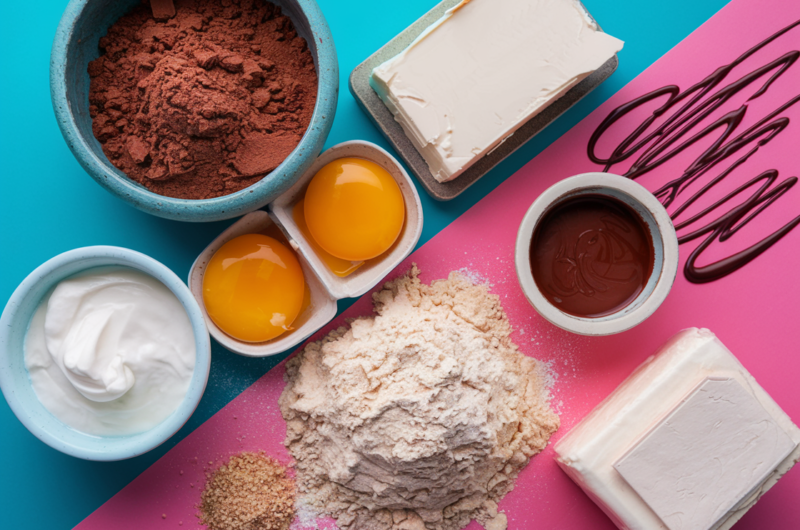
(15, 380)
(76, 44)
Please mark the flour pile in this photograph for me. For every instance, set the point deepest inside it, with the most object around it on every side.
(418, 418)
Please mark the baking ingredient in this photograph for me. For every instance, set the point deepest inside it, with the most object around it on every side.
(591, 255)
(475, 76)
(205, 103)
(713, 440)
(162, 9)
(340, 267)
(419, 417)
(354, 209)
(720, 422)
(110, 352)
(251, 491)
(253, 288)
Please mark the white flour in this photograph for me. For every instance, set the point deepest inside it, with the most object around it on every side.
(419, 417)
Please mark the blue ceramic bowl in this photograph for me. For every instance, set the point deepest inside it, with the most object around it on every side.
(76, 44)
(15, 381)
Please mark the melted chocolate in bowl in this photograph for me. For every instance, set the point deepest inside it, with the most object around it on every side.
(591, 255)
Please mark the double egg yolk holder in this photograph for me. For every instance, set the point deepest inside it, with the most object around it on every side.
(324, 287)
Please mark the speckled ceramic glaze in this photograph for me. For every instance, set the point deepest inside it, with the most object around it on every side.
(15, 381)
(76, 44)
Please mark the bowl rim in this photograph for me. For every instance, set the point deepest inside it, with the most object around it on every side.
(624, 320)
(200, 210)
(129, 445)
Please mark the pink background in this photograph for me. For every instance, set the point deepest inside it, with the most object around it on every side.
(754, 311)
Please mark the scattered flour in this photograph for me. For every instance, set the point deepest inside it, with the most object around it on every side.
(475, 277)
(420, 417)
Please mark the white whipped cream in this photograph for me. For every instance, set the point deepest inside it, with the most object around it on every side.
(484, 69)
(111, 351)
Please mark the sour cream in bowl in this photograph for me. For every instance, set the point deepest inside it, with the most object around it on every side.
(104, 353)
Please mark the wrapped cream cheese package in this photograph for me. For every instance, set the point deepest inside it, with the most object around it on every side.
(688, 441)
(484, 69)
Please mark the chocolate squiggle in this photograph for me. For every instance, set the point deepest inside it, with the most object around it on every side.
(677, 133)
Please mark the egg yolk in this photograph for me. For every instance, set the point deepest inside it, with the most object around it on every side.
(354, 209)
(253, 288)
(340, 267)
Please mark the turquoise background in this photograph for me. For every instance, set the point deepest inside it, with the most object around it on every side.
(49, 205)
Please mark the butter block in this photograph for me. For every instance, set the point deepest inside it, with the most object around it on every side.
(485, 68)
(688, 441)
(747, 445)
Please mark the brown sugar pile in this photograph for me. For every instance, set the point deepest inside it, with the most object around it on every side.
(251, 492)
(205, 103)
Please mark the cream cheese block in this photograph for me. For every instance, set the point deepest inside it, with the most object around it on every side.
(689, 441)
(485, 68)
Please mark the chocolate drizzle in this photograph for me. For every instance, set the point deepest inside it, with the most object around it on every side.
(677, 133)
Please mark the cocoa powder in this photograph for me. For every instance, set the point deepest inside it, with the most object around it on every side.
(205, 103)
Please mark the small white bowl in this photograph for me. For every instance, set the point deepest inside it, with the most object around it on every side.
(15, 381)
(321, 310)
(373, 271)
(662, 232)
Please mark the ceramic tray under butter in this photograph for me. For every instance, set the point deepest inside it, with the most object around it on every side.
(323, 285)
(383, 118)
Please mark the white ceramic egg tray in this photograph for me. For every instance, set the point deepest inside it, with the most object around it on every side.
(325, 287)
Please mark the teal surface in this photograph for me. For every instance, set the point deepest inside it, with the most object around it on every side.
(49, 205)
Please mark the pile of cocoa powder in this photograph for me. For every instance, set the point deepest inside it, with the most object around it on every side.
(205, 103)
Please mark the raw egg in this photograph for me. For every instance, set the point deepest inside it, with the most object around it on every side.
(340, 267)
(354, 209)
(253, 288)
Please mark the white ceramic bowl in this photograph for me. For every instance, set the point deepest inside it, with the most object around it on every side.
(662, 232)
(15, 381)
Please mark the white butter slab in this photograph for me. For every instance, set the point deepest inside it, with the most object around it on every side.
(373, 271)
(589, 452)
(383, 119)
(321, 310)
(699, 462)
(484, 69)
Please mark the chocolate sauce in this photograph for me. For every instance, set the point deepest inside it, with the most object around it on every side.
(591, 255)
(680, 131)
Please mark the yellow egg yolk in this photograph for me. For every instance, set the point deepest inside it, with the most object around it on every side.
(253, 288)
(340, 267)
(354, 209)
